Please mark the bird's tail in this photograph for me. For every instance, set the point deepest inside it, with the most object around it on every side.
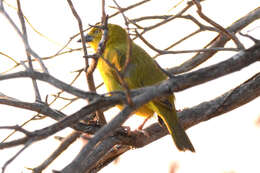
(169, 117)
(178, 134)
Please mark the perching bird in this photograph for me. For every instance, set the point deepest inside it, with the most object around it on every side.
(141, 71)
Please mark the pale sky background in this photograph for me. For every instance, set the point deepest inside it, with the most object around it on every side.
(224, 144)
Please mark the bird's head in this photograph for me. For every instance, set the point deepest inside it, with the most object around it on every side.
(116, 34)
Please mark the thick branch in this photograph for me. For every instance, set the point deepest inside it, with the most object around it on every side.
(82, 158)
(230, 100)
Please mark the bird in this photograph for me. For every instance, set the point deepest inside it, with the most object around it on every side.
(141, 71)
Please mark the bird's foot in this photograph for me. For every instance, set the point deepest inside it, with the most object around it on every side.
(142, 125)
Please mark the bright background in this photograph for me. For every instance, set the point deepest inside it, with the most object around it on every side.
(229, 143)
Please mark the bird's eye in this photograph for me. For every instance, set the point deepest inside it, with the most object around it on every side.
(96, 32)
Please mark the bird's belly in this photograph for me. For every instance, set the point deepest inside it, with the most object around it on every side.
(143, 111)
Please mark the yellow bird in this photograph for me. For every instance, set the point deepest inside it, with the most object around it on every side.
(140, 72)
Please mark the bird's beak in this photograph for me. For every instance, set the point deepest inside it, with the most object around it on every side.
(88, 38)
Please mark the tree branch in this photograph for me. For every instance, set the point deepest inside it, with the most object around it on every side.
(62, 147)
(218, 41)
(230, 100)
(240, 60)
(26, 45)
(110, 141)
(53, 81)
(163, 88)
(44, 109)
(29, 49)
(213, 23)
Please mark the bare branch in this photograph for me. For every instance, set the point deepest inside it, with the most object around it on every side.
(203, 16)
(62, 147)
(112, 126)
(162, 89)
(53, 81)
(163, 17)
(109, 157)
(230, 100)
(29, 49)
(130, 7)
(54, 114)
(250, 37)
(17, 128)
(107, 142)
(219, 41)
(237, 62)
(181, 82)
(88, 69)
(242, 59)
(161, 52)
(180, 41)
(25, 38)
(100, 151)
(146, 29)
(15, 156)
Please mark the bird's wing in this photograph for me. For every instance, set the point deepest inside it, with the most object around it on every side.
(141, 70)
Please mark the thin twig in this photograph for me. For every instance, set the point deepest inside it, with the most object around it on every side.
(25, 38)
(17, 64)
(62, 147)
(163, 17)
(83, 41)
(17, 128)
(49, 104)
(33, 28)
(120, 77)
(146, 29)
(101, 48)
(12, 59)
(29, 49)
(200, 25)
(218, 41)
(68, 121)
(129, 41)
(22, 125)
(100, 51)
(179, 41)
(53, 81)
(16, 155)
(9, 57)
(89, 69)
(129, 7)
(250, 37)
(230, 35)
(182, 51)
(127, 58)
